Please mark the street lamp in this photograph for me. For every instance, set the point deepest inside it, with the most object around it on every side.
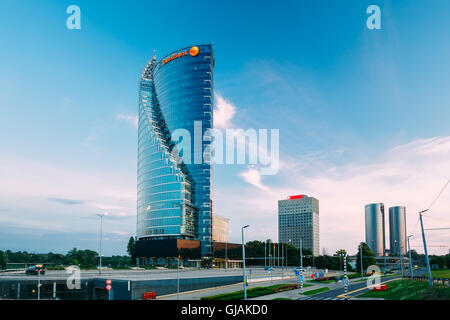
(287, 251)
(101, 215)
(410, 260)
(361, 257)
(301, 254)
(243, 262)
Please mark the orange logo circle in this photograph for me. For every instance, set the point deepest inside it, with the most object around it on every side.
(194, 51)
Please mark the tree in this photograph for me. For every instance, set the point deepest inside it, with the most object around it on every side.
(368, 257)
(3, 260)
(131, 249)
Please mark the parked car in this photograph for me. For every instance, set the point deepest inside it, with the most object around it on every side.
(35, 269)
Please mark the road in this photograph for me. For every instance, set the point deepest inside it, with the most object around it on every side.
(354, 289)
(254, 274)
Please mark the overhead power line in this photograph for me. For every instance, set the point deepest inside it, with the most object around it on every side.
(435, 199)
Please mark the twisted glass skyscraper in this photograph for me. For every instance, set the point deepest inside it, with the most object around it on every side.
(174, 197)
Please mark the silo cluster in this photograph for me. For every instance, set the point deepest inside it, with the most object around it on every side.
(375, 229)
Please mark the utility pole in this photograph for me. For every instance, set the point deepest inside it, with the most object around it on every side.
(430, 280)
(361, 257)
(410, 260)
(243, 262)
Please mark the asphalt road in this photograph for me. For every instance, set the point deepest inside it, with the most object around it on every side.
(354, 289)
(149, 274)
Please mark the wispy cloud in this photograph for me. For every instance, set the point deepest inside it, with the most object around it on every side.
(130, 118)
(223, 113)
(410, 174)
(66, 201)
(253, 176)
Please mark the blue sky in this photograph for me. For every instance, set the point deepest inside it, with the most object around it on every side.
(363, 114)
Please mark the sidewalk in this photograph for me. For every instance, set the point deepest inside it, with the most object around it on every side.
(198, 294)
(291, 294)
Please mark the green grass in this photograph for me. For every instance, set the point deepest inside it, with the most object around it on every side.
(149, 267)
(386, 276)
(253, 292)
(311, 292)
(323, 281)
(121, 267)
(410, 290)
(445, 273)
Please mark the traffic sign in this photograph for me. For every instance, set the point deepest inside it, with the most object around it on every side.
(300, 278)
(345, 281)
(108, 281)
(108, 287)
(297, 272)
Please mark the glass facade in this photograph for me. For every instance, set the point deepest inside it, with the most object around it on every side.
(173, 197)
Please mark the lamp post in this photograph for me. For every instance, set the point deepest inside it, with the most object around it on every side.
(361, 257)
(278, 249)
(243, 262)
(287, 251)
(401, 260)
(178, 278)
(226, 259)
(265, 250)
(410, 260)
(101, 215)
(301, 254)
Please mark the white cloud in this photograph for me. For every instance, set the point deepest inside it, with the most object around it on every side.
(253, 176)
(28, 190)
(130, 118)
(411, 174)
(223, 113)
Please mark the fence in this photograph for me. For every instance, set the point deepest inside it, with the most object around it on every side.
(439, 281)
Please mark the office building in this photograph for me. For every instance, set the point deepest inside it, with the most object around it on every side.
(220, 231)
(397, 230)
(173, 196)
(375, 233)
(298, 222)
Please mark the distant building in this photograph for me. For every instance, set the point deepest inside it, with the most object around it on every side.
(220, 232)
(298, 221)
(397, 230)
(375, 233)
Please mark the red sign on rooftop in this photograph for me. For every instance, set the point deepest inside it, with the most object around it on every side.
(299, 196)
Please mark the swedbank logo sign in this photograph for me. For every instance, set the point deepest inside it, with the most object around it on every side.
(192, 51)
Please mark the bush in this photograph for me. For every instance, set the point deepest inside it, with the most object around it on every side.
(55, 267)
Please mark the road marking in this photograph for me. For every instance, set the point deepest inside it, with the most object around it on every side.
(343, 295)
